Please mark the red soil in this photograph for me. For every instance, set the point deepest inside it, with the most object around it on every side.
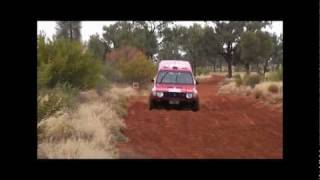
(225, 127)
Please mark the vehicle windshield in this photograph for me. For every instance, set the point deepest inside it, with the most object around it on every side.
(175, 77)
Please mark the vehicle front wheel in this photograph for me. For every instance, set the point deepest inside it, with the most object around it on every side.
(195, 106)
(151, 105)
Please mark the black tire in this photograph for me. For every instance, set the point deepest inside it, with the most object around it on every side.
(195, 106)
(151, 105)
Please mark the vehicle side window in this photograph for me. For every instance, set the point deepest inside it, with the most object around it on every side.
(160, 76)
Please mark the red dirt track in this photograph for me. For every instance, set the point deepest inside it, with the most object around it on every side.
(225, 127)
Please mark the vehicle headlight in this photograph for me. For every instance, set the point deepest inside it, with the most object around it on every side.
(154, 93)
(189, 95)
(160, 94)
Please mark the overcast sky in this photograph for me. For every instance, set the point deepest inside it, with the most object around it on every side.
(92, 27)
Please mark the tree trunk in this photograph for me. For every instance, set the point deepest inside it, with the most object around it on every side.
(247, 66)
(229, 69)
(265, 67)
(229, 60)
(194, 68)
(71, 37)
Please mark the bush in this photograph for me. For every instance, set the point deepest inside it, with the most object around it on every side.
(132, 65)
(52, 101)
(202, 71)
(273, 88)
(275, 75)
(64, 61)
(258, 93)
(139, 70)
(121, 106)
(251, 80)
(112, 73)
(238, 79)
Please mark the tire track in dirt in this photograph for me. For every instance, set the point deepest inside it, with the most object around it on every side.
(226, 126)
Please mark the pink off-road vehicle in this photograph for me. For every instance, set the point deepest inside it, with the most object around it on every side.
(174, 85)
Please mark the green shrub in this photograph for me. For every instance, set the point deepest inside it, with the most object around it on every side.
(64, 61)
(129, 65)
(121, 107)
(102, 85)
(111, 73)
(51, 101)
(275, 75)
(139, 70)
(202, 71)
(238, 79)
(273, 88)
(251, 80)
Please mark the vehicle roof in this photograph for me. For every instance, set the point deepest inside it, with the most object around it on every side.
(175, 65)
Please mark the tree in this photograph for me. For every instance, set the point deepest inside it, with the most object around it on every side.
(133, 64)
(65, 61)
(255, 47)
(228, 35)
(277, 52)
(249, 49)
(135, 34)
(208, 44)
(192, 44)
(97, 46)
(171, 43)
(254, 26)
(265, 49)
(69, 30)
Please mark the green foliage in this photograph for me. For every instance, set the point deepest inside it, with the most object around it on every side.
(202, 71)
(251, 80)
(171, 43)
(97, 46)
(51, 101)
(248, 44)
(138, 35)
(67, 62)
(132, 65)
(255, 47)
(277, 51)
(121, 106)
(69, 30)
(228, 34)
(63, 68)
(139, 70)
(111, 73)
(275, 75)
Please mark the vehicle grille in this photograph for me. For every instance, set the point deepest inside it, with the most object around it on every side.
(174, 95)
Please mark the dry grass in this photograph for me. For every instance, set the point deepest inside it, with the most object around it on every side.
(260, 91)
(202, 76)
(271, 97)
(91, 131)
(232, 88)
(257, 93)
(273, 88)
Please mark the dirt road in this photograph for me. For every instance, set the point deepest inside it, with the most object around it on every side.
(231, 127)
